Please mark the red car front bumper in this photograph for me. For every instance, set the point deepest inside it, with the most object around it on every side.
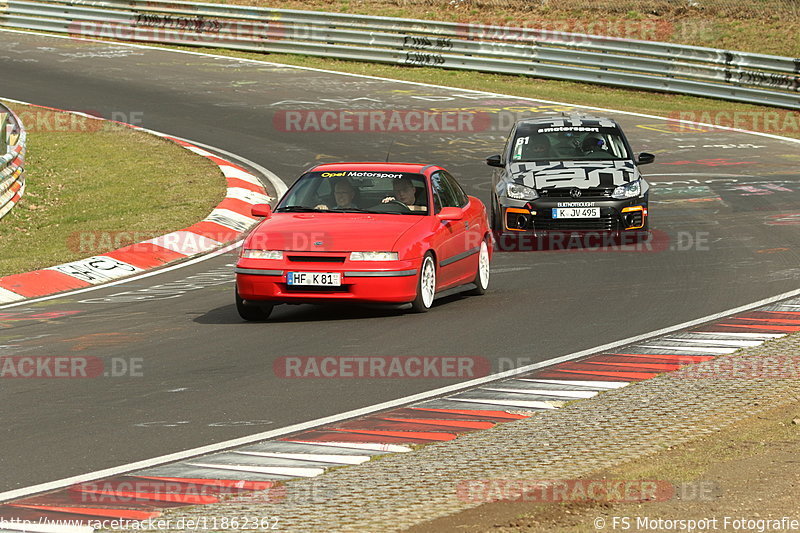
(390, 282)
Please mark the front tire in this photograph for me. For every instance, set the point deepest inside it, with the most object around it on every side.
(426, 285)
(251, 312)
(481, 280)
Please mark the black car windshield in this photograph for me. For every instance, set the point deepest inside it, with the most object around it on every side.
(357, 191)
(574, 143)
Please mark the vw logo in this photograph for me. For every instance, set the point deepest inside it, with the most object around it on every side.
(575, 192)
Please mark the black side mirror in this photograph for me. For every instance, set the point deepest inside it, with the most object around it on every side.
(645, 158)
(494, 161)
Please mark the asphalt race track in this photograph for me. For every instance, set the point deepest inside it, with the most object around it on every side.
(725, 208)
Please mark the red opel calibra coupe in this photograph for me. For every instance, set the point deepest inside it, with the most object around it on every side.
(365, 232)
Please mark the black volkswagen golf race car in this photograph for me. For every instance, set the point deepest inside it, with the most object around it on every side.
(568, 174)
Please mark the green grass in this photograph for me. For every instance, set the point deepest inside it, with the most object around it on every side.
(111, 180)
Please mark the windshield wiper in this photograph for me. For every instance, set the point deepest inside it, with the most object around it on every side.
(299, 209)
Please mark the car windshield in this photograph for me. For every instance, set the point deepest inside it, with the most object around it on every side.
(357, 191)
(575, 143)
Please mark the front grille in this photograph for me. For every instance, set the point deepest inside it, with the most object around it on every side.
(598, 192)
(316, 259)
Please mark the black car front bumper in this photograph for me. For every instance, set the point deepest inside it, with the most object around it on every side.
(536, 216)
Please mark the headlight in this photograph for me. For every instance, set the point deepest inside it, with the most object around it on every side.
(373, 256)
(629, 190)
(521, 192)
(262, 254)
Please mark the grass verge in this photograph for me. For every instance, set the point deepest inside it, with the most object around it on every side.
(92, 187)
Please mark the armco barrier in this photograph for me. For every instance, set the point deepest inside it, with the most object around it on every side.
(12, 172)
(737, 76)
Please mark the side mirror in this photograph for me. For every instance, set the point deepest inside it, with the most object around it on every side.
(645, 158)
(261, 210)
(494, 161)
(450, 213)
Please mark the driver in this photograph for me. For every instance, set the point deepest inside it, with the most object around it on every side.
(593, 143)
(406, 193)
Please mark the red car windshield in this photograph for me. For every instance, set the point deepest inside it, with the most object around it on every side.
(359, 191)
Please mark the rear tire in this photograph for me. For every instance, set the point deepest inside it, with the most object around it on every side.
(426, 285)
(253, 312)
(481, 280)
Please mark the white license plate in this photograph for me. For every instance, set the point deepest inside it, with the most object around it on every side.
(323, 279)
(576, 212)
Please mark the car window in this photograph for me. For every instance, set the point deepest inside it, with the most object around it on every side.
(458, 193)
(442, 191)
(357, 190)
(534, 142)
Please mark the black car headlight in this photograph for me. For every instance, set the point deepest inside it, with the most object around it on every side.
(521, 192)
(629, 190)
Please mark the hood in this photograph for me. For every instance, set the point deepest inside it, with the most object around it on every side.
(568, 174)
(338, 232)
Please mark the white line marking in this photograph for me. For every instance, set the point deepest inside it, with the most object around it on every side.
(709, 351)
(541, 392)
(531, 404)
(314, 457)
(597, 384)
(715, 342)
(765, 336)
(274, 470)
(372, 446)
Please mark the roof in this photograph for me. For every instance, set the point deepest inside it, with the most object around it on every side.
(414, 168)
(572, 119)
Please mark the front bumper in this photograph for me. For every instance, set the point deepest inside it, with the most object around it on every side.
(362, 281)
(536, 216)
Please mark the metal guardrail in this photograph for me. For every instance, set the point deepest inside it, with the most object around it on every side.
(12, 173)
(650, 65)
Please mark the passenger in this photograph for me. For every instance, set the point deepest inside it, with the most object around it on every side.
(345, 195)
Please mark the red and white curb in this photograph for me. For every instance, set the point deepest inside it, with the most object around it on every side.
(226, 223)
(254, 471)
